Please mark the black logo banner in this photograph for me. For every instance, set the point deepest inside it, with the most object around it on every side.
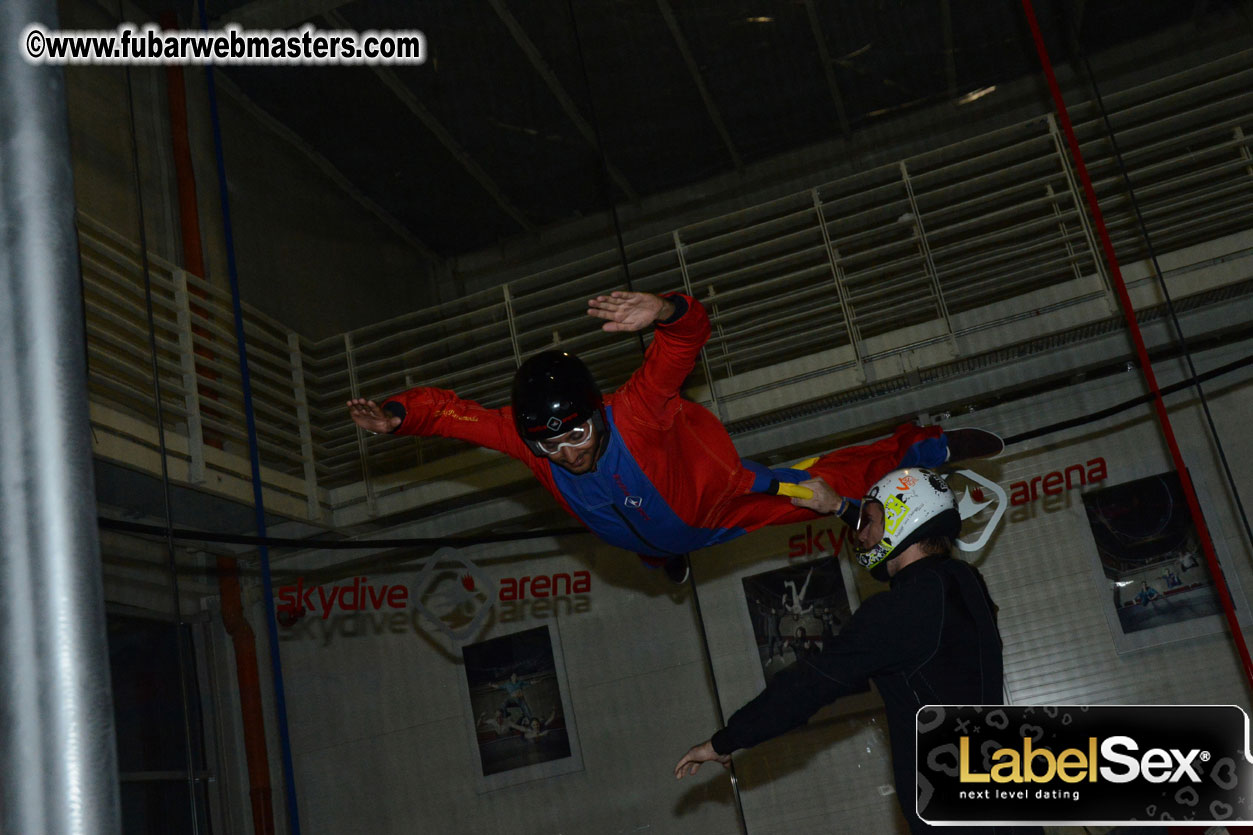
(1084, 765)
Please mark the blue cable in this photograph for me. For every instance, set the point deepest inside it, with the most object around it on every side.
(280, 699)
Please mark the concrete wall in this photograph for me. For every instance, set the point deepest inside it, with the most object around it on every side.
(383, 733)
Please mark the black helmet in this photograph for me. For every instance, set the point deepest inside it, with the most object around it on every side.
(553, 392)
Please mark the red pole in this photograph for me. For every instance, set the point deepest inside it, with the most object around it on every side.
(188, 213)
(189, 220)
(245, 643)
(1120, 287)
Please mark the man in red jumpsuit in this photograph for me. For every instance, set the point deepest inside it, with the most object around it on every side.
(642, 468)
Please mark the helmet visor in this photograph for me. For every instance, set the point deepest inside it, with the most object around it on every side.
(869, 530)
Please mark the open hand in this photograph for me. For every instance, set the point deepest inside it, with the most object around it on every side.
(371, 418)
(698, 756)
(629, 311)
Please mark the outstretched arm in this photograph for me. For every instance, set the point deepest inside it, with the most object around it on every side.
(790, 698)
(367, 414)
(825, 500)
(697, 756)
(882, 636)
(804, 588)
(629, 311)
(795, 598)
(682, 327)
(431, 411)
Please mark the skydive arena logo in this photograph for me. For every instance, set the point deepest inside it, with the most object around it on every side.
(1084, 765)
(449, 592)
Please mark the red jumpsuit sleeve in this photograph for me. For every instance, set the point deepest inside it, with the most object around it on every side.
(432, 411)
(654, 388)
(850, 471)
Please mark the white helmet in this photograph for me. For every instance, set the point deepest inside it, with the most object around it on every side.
(917, 504)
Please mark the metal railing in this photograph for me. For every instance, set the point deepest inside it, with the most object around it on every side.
(202, 398)
(820, 282)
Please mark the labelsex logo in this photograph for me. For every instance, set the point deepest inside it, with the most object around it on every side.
(1157, 765)
(1071, 764)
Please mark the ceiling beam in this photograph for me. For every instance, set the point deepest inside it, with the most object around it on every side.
(563, 98)
(828, 68)
(278, 14)
(225, 85)
(698, 79)
(410, 100)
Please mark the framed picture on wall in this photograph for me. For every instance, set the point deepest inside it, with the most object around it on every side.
(1156, 582)
(518, 702)
(795, 609)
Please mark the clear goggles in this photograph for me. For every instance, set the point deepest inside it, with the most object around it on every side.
(578, 437)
